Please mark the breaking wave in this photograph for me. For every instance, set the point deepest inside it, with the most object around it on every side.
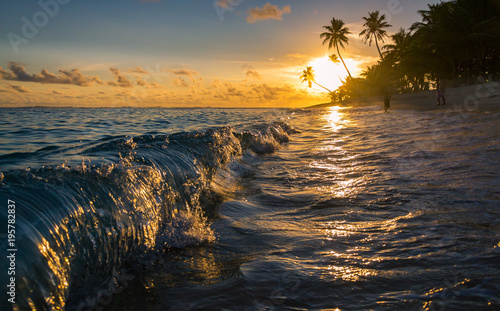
(79, 226)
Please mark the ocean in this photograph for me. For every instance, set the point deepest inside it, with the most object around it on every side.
(249, 209)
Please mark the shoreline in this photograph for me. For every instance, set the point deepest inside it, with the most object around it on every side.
(479, 97)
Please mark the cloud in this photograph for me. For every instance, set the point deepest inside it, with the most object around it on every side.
(138, 70)
(224, 90)
(121, 80)
(125, 93)
(271, 93)
(296, 55)
(19, 88)
(55, 92)
(297, 58)
(253, 74)
(227, 4)
(74, 76)
(180, 82)
(269, 11)
(184, 72)
(141, 82)
(196, 85)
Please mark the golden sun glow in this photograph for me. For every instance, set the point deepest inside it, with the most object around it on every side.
(329, 74)
(336, 119)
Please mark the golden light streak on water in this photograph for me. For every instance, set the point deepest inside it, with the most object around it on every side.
(347, 273)
(59, 268)
(339, 229)
(336, 119)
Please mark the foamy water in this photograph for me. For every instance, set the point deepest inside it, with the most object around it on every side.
(164, 209)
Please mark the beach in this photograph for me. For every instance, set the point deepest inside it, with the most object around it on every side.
(480, 98)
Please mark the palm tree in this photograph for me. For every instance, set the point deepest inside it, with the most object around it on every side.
(374, 29)
(400, 55)
(308, 76)
(400, 39)
(334, 58)
(336, 36)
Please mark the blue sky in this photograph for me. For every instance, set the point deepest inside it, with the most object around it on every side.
(216, 42)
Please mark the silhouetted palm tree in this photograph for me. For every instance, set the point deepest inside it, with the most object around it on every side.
(308, 76)
(374, 29)
(334, 58)
(336, 36)
(400, 39)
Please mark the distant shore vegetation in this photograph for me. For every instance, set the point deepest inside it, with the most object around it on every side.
(456, 41)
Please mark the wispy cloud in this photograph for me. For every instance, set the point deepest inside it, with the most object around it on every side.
(138, 70)
(196, 84)
(267, 92)
(180, 82)
(224, 90)
(152, 85)
(296, 55)
(19, 88)
(226, 4)
(269, 11)
(253, 74)
(184, 72)
(125, 93)
(54, 92)
(74, 76)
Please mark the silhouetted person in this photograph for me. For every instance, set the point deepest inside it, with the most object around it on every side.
(441, 92)
(387, 101)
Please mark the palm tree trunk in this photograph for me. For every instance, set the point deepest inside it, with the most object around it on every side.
(338, 51)
(322, 86)
(376, 43)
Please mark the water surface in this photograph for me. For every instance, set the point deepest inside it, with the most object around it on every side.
(213, 209)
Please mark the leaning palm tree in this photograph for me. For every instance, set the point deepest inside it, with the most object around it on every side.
(336, 36)
(374, 29)
(308, 76)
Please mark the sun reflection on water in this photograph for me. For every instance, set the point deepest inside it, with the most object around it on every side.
(348, 273)
(336, 119)
(339, 229)
(339, 177)
(352, 264)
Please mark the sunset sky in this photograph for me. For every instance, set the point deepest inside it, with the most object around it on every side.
(228, 53)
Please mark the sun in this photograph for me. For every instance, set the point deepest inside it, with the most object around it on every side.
(329, 74)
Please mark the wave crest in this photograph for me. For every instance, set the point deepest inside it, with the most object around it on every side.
(79, 225)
